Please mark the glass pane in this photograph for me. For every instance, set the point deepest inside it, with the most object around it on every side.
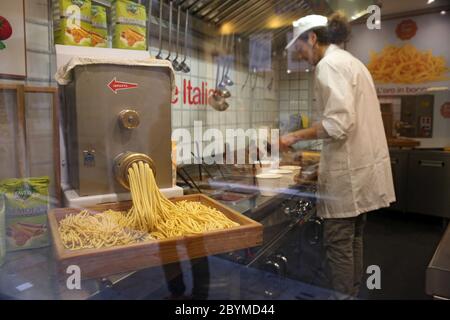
(8, 138)
(40, 135)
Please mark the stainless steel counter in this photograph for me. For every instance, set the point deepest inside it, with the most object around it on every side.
(438, 271)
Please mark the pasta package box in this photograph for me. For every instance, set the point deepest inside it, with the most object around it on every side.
(99, 32)
(26, 207)
(72, 22)
(129, 25)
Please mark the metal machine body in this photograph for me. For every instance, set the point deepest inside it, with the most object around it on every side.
(103, 123)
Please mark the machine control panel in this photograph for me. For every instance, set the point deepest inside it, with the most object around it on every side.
(89, 158)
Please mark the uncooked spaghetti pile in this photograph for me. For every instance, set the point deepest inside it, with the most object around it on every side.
(406, 64)
(152, 215)
(106, 229)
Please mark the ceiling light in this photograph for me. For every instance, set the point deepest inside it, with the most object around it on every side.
(430, 1)
(443, 12)
(227, 28)
(288, 71)
(274, 22)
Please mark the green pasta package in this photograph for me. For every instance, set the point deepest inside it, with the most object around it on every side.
(99, 33)
(72, 22)
(26, 207)
(129, 25)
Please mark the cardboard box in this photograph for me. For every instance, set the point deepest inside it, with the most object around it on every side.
(129, 25)
(72, 22)
(99, 32)
(26, 207)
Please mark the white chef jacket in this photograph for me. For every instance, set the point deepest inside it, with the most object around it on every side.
(355, 171)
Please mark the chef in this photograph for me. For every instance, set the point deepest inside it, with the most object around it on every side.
(354, 172)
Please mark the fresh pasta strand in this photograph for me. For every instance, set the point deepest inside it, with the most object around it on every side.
(169, 219)
(106, 229)
(152, 216)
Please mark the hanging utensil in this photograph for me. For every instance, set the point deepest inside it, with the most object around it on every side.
(253, 87)
(216, 100)
(223, 91)
(222, 84)
(221, 87)
(226, 80)
(159, 56)
(246, 80)
(177, 65)
(170, 31)
(184, 67)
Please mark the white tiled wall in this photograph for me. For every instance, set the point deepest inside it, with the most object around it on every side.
(40, 60)
(261, 100)
(254, 100)
(295, 96)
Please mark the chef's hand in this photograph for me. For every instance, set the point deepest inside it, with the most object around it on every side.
(311, 133)
(286, 142)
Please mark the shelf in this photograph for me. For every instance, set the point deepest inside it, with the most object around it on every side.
(103, 3)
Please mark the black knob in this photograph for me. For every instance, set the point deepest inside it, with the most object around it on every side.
(287, 211)
(240, 260)
(282, 261)
(272, 266)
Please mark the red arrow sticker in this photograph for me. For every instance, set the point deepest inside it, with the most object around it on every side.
(115, 85)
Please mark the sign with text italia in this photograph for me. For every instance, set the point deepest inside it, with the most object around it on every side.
(192, 94)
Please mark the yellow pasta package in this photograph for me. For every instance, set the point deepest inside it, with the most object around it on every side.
(99, 32)
(72, 22)
(129, 25)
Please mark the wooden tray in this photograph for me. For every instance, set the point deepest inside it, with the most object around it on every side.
(97, 263)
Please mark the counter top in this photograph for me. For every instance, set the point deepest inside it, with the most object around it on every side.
(402, 142)
(32, 274)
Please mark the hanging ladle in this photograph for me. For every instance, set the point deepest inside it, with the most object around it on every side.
(170, 31)
(222, 84)
(216, 99)
(175, 64)
(223, 91)
(159, 56)
(222, 87)
(226, 80)
(184, 67)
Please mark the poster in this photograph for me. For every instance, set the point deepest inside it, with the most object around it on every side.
(12, 40)
(407, 55)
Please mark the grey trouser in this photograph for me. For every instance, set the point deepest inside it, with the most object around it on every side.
(343, 242)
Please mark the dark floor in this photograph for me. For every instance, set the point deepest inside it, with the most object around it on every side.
(402, 245)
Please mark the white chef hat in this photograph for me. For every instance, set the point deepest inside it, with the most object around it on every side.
(307, 23)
